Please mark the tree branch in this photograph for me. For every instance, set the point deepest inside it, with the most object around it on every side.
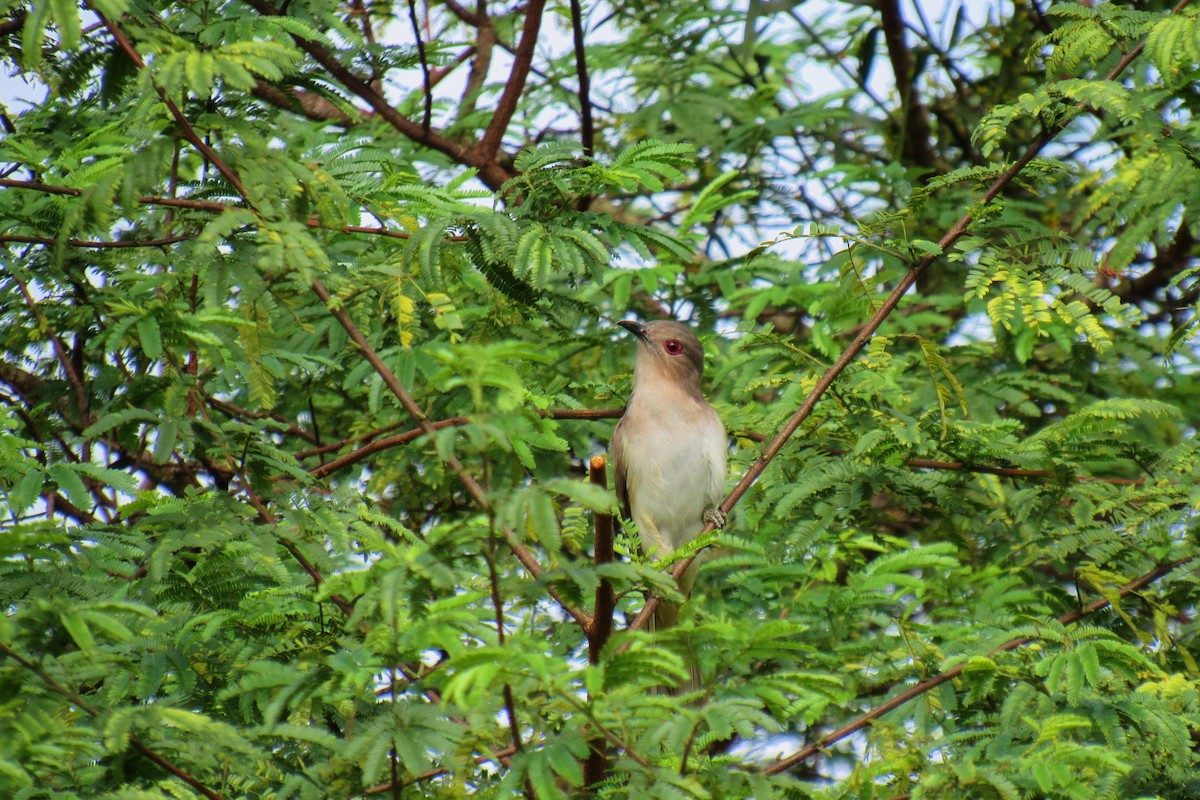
(310, 104)
(587, 133)
(13, 238)
(490, 172)
(489, 145)
(404, 438)
(921, 688)
(186, 128)
(427, 120)
(134, 741)
(915, 135)
(198, 205)
(523, 554)
(485, 43)
(595, 767)
(60, 351)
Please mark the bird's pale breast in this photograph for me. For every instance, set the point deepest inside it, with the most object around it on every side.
(676, 471)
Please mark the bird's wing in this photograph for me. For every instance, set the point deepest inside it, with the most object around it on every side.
(615, 453)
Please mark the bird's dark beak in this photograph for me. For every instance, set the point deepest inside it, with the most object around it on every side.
(634, 327)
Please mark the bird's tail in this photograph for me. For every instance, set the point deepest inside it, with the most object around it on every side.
(665, 616)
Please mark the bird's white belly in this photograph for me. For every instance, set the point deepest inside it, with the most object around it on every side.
(676, 472)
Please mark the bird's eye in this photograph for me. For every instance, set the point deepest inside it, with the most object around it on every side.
(673, 347)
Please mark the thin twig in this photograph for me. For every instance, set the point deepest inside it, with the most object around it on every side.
(587, 133)
(198, 205)
(406, 437)
(60, 350)
(237, 412)
(427, 120)
(510, 705)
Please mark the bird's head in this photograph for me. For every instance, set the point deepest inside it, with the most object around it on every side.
(667, 350)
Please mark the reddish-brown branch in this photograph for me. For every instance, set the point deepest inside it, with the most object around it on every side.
(13, 238)
(921, 688)
(241, 413)
(440, 74)
(134, 742)
(186, 128)
(595, 768)
(489, 145)
(37, 186)
(406, 437)
(604, 553)
(333, 447)
(398, 440)
(310, 104)
(518, 548)
(490, 172)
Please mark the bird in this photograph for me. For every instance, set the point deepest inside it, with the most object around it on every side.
(669, 449)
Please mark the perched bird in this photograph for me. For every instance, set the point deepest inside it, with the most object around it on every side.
(669, 448)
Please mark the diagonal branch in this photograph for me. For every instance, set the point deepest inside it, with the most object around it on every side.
(921, 688)
(60, 350)
(489, 145)
(189, 132)
(134, 741)
(490, 172)
(518, 548)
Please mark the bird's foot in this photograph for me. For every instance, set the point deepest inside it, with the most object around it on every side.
(715, 517)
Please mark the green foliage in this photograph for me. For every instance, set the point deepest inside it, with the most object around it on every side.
(260, 544)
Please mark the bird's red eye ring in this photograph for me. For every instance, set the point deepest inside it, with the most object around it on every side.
(673, 347)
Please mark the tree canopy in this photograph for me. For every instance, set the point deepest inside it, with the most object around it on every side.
(309, 353)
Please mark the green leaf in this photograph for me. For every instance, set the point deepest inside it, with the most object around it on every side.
(69, 482)
(77, 627)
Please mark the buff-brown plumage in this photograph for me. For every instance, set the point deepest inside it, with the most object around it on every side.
(669, 448)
